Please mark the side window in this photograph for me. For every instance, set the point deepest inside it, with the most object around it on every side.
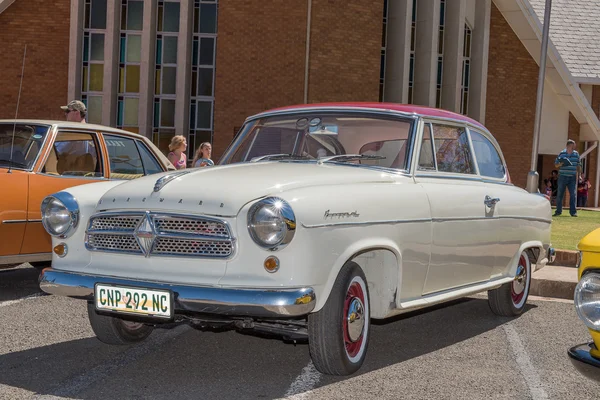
(151, 166)
(74, 154)
(452, 150)
(426, 157)
(125, 160)
(488, 160)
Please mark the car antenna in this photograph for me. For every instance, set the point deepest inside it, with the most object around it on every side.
(12, 144)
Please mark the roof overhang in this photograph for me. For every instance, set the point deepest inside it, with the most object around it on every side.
(523, 20)
(4, 4)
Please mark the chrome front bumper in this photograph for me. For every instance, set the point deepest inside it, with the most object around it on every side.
(585, 363)
(258, 303)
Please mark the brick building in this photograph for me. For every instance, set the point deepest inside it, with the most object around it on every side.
(199, 67)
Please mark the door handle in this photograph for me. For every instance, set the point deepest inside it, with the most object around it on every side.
(490, 202)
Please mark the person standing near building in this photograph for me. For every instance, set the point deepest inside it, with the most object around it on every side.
(568, 165)
(177, 155)
(202, 157)
(75, 111)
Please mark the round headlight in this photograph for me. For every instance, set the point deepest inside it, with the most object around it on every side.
(60, 214)
(587, 300)
(271, 223)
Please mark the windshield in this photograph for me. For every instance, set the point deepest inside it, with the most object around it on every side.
(321, 135)
(28, 141)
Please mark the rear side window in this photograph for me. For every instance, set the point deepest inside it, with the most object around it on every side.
(125, 159)
(488, 160)
(452, 150)
(151, 166)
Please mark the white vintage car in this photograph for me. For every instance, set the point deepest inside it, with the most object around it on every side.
(316, 219)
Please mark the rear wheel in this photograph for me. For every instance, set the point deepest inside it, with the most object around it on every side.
(339, 332)
(111, 330)
(509, 299)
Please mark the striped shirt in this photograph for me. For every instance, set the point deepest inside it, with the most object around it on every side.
(569, 162)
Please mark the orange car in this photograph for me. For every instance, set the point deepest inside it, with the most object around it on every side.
(38, 158)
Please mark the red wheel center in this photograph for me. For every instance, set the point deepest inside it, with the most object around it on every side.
(520, 283)
(354, 319)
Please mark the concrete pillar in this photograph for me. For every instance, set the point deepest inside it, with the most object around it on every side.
(147, 67)
(479, 60)
(426, 53)
(184, 68)
(111, 62)
(75, 50)
(453, 54)
(397, 58)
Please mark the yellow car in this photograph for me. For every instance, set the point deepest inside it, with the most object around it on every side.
(586, 357)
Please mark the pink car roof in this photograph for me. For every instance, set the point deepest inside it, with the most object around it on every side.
(405, 108)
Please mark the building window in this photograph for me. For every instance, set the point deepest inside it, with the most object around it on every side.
(383, 48)
(440, 62)
(413, 43)
(92, 71)
(466, 71)
(167, 32)
(202, 94)
(130, 49)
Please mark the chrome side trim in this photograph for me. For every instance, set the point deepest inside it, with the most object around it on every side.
(385, 222)
(23, 258)
(234, 301)
(410, 221)
(476, 178)
(34, 220)
(14, 221)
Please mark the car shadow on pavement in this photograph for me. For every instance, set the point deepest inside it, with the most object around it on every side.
(16, 283)
(229, 365)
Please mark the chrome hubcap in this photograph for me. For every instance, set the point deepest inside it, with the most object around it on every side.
(355, 319)
(520, 280)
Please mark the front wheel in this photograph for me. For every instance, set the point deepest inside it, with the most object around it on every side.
(509, 299)
(338, 334)
(111, 330)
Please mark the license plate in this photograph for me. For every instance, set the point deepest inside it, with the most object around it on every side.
(121, 299)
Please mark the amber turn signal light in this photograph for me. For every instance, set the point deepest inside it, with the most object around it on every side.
(60, 250)
(272, 264)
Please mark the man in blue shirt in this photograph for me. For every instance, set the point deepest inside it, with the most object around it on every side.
(568, 165)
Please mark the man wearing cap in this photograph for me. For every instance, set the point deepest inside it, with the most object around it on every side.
(75, 111)
(568, 165)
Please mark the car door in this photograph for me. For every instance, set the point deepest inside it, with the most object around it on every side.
(509, 203)
(13, 210)
(74, 159)
(463, 235)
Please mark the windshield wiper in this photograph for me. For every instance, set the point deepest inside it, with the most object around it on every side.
(280, 157)
(349, 157)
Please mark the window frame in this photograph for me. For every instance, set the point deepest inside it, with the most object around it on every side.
(496, 147)
(50, 146)
(134, 140)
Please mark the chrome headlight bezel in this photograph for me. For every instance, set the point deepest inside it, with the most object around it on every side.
(582, 305)
(69, 203)
(280, 209)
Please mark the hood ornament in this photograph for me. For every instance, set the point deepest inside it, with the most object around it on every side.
(161, 182)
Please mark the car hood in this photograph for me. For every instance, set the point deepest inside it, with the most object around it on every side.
(224, 190)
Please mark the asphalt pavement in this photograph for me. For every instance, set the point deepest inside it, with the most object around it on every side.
(457, 351)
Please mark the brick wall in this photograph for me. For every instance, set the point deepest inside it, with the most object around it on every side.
(511, 96)
(46, 64)
(261, 57)
(345, 51)
(260, 61)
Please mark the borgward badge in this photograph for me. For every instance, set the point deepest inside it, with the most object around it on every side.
(145, 235)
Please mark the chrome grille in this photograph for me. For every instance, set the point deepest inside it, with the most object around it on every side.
(193, 247)
(126, 243)
(116, 223)
(190, 225)
(160, 234)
